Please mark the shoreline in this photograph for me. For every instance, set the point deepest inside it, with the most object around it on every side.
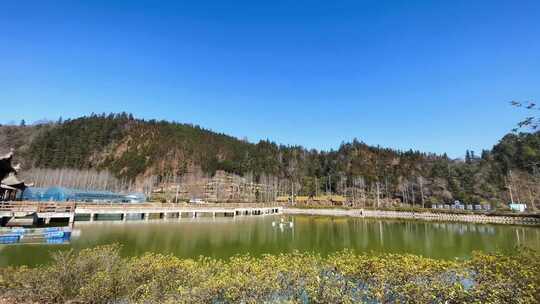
(425, 216)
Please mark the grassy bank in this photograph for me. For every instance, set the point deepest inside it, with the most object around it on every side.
(100, 275)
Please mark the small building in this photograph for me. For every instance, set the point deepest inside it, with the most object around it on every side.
(517, 207)
(282, 199)
(457, 205)
(196, 201)
(301, 199)
(337, 200)
(135, 197)
(334, 200)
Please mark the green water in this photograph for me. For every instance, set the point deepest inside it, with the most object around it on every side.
(224, 237)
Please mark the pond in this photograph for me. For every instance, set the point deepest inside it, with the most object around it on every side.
(257, 235)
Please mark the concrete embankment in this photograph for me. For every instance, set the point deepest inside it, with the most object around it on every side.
(427, 216)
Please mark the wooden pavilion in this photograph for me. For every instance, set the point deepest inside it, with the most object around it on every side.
(10, 185)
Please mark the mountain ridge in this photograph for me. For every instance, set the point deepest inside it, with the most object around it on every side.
(133, 148)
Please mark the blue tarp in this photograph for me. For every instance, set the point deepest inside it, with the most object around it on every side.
(34, 193)
(61, 194)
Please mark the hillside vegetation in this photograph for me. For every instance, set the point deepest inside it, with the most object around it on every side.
(132, 149)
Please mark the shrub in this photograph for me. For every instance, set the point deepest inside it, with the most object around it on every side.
(100, 275)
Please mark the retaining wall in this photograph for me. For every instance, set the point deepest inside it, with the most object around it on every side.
(447, 217)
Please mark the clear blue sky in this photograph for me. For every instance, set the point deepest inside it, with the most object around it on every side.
(430, 75)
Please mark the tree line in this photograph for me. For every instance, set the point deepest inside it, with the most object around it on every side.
(134, 149)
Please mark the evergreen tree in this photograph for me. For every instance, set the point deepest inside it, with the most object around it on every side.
(468, 157)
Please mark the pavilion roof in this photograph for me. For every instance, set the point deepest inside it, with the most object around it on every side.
(5, 165)
(2, 186)
(12, 181)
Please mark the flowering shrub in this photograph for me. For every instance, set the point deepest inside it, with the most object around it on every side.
(100, 275)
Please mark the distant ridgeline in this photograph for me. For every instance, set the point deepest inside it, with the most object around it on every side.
(134, 150)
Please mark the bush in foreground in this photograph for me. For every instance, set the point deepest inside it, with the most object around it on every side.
(100, 275)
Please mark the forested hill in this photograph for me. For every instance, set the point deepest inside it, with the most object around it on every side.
(134, 148)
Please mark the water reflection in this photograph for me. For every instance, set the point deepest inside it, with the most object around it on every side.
(224, 237)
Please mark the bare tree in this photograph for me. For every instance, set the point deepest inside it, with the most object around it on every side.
(421, 184)
(378, 194)
(82, 179)
(533, 121)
